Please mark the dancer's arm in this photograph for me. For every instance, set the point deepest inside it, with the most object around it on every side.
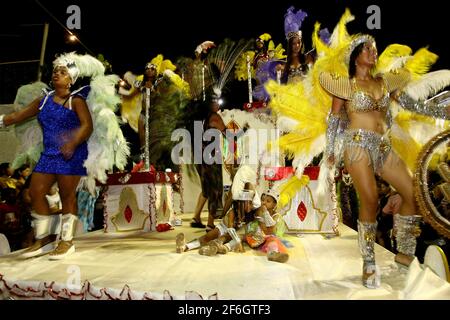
(332, 127)
(30, 111)
(436, 107)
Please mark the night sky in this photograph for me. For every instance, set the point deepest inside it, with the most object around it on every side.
(130, 34)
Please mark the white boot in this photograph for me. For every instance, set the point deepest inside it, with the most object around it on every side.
(65, 246)
(55, 225)
(44, 242)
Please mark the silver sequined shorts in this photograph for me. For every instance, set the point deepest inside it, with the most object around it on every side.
(359, 142)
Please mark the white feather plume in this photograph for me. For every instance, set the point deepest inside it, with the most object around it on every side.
(303, 159)
(107, 147)
(286, 124)
(429, 84)
(86, 64)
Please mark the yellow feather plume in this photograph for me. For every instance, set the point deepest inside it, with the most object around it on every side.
(277, 52)
(180, 84)
(421, 62)
(161, 64)
(340, 34)
(393, 57)
(320, 46)
(265, 37)
(290, 188)
(240, 69)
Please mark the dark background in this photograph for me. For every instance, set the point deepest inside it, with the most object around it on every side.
(130, 33)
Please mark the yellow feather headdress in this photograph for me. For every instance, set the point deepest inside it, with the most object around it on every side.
(160, 64)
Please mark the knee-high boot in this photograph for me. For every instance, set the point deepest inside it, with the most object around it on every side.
(406, 231)
(366, 241)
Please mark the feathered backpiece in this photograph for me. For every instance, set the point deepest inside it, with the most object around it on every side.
(222, 60)
(107, 147)
(293, 22)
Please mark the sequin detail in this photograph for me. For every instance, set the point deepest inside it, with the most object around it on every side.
(58, 125)
(363, 102)
(359, 141)
(297, 74)
(433, 107)
(366, 240)
(407, 229)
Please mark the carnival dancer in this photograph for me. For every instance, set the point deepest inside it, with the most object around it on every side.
(217, 69)
(166, 95)
(259, 64)
(195, 73)
(360, 130)
(297, 63)
(72, 146)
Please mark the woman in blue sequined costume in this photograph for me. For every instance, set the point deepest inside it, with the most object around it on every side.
(67, 124)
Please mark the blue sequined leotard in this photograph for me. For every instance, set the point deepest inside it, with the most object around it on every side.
(58, 124)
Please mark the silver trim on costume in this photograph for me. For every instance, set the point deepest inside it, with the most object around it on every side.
(407, 229)
(434, 107)
(332, 131)
(359, 141)
(366, 240)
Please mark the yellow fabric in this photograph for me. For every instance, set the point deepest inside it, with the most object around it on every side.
(131, 106)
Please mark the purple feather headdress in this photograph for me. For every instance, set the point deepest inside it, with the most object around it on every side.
(267, 71)
(325, 36)
(293, 23)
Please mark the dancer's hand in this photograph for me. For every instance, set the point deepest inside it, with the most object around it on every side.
(68, 149)
(393, 204)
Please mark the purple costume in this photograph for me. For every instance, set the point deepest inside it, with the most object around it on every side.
(58, 124)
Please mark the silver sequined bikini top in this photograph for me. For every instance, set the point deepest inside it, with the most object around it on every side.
(364, 102)
(296, 73)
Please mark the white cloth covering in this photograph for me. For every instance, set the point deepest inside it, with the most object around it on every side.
(318, 268)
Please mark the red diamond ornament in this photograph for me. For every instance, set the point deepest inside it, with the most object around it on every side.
(128, 214)
(302, 211)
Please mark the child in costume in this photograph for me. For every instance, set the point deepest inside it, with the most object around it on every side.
(265, 230)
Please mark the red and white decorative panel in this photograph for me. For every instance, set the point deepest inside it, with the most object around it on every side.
(130, 202)
(310, 212)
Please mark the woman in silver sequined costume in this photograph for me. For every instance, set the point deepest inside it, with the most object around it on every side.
(297, 62)
(361, 105)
